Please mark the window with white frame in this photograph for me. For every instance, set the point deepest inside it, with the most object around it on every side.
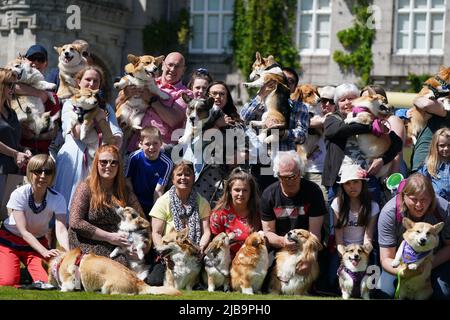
(420, 26)
(313, 26)
(211, 22)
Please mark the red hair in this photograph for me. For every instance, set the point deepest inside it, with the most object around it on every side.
(99, 197)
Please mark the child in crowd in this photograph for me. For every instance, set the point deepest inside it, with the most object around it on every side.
(199, 82)
(355, 214)
(437, 164)
(148, 169)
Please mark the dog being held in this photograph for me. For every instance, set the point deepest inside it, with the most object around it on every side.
(30, 110)
(435, 88)
(352, 272)
(367, 110)
(137, 229)
(284, 278)
(70, 62)
(182, 256)
(260, 68)
(414, 259)
(87, 113)
(309, 95)
(73, 270)
(217, 262)
(140, 73)
(276, 100)
(249, 266)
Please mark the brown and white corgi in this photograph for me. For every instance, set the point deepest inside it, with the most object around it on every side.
(70, 62)
(352, 271)
(284, 277)
(217, 261)
(262, 66)
(414, 259)
(137, 229)
(73, 270)
(183, 263)
(141, 72)
(249, 266)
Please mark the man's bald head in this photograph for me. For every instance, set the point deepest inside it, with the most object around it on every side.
(173, 68)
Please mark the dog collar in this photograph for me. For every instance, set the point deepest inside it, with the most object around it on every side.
(81, 112)
(356, 277)
(55, 271)
(359, 109)
(409, 255)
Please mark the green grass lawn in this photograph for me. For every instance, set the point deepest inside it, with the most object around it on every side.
(9, 293)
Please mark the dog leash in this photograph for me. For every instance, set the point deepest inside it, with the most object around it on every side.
(397, 290)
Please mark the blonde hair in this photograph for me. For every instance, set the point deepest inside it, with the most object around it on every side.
(6, 77)
(416, 184)
(97, 69)
(41, 161)
(433, 159)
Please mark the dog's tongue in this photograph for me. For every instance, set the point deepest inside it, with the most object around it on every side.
(354, 263)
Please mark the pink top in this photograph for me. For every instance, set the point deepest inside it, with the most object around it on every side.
(151, 117)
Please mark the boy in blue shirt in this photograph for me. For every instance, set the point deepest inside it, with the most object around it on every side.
(148, 169)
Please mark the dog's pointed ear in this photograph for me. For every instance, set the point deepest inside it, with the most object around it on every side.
(58, 49)
(297, 95)
(341, 249)
(271, 59)
(367, 247)
(119, 211)
(442, 68)
(186, 97)
(438, 227)
(258, 56)
(159, 60)
(132, 58)
(371, 92)
(407, 223)
(210, 101)
(79, 47)
(129, 68)
(317, 246)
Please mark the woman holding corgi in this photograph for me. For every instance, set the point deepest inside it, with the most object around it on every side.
(22, 235)
(437, 164)
(179, 208)
(418, 202)
(237, 210)
(73, 161)
(93, 219)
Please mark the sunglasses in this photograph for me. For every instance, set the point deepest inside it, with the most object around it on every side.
(104, 163)
(325, 101)
(47, 172)
(289, 178)
(37, 58)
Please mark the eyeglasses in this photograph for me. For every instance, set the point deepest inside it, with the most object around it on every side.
(326, 100)
(289, 178)
(47, 172)
(217, 93)
(37, 58)
(104, 162)
(173, 65)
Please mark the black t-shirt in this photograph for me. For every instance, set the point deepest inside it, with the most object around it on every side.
(292, 213)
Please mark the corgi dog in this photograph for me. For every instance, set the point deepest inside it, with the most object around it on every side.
(140, 72)
(183, 260)
(309, 95)
(284, 278)
(278, 108)
(201, 114)
(217, 261)
(249, 266)
(367, 110)
(70, 62)
(434, 88)
(352, 271)
(414, 259)
(30, 110)
(86, 110)
(137, 229)
(74, 270)
(260, 68)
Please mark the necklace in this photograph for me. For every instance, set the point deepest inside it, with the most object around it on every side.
(32, 204)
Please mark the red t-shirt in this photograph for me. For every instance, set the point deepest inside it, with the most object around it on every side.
(226, 220)
(41, 146)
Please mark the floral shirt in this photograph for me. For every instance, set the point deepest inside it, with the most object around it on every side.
(226, 220)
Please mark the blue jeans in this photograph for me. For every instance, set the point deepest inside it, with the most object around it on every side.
(440, 282)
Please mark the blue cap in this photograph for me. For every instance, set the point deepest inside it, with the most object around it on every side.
(401, 113)
(36, 48)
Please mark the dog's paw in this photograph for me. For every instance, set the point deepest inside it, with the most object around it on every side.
(269, 139)
(395, 263)
(412, 266)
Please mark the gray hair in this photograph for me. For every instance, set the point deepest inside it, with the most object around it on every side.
(343, 90)
(283, 156)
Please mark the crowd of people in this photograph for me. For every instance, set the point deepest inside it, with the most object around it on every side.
(335, 193)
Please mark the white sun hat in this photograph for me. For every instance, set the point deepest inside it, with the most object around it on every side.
(352, 172)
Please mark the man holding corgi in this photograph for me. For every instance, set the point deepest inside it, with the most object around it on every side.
(166, 115)
(38, 57)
